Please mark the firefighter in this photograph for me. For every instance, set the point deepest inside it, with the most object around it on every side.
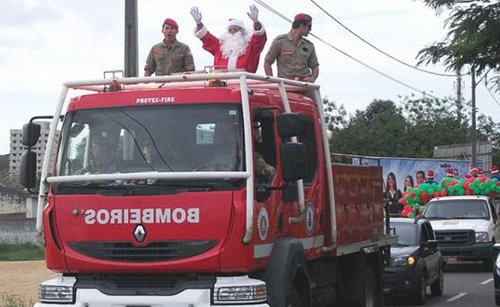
(170, 55)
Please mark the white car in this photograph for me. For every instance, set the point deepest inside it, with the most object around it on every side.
(466, 227)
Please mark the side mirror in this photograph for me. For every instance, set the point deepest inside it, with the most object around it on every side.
(28, 169)
(31, 134)
(293, 161)
(289, 124)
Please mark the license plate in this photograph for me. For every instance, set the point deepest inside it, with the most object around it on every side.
(450, 258)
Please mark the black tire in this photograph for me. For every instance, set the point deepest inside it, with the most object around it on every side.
(370, 291)
(420, 295)
(487, 264)
(293, 298)
(438, 285)
(497, 299)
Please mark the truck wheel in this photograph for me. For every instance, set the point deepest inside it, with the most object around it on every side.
(293, 298)
(370, 292)
(420, 293)
(438, 285)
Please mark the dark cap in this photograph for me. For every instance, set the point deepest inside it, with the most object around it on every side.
(302, 16)
(171, 23)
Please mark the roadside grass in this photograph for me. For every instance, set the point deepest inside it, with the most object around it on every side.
(20, 252)
(13, 300)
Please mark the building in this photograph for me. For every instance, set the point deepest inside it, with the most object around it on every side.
(17, 148)
(484, 152)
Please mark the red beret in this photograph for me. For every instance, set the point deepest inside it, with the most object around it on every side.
(302, 16)
(171, 23)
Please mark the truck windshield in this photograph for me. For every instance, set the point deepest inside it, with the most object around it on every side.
(168, 138)
(457, 209)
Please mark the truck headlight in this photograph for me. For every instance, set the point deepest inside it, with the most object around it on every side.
(403, 261)
(58, 290)
(482, 237)
(227, 291)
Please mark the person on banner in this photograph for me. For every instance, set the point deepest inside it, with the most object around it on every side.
(409, 183)
(450, 173)
(494, 172)
(237, 48)
(420, 177)
(169, 56)
(392, 194)
(295, 56)
(430, 177)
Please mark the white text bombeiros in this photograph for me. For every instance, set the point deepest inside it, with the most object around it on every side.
(142, 216)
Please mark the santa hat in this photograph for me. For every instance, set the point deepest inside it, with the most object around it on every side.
(494, 169)
(450, 172)
(235, 23)
(480, 170)
(430, 174)
(171, 23)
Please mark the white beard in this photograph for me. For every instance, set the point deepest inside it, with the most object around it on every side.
(233, 44)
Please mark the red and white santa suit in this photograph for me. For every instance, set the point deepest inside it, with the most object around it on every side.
(248, 60)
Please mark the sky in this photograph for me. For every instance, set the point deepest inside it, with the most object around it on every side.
(44, 43)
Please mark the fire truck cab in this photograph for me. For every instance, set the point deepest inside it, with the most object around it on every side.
(203, 190)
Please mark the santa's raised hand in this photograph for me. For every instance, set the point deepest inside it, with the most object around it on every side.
(195, 12)
(254, 13)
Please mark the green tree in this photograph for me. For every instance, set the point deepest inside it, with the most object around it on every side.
(433, 122)
(377, 131)
(473, 38)
(335, 116)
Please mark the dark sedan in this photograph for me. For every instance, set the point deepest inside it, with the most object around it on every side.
(416, 261)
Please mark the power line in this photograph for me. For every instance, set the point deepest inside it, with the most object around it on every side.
(378, 49)
(268, 7)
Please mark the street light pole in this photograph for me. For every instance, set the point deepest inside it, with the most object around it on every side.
(473, 115)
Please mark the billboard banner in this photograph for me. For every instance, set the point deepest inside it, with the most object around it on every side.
(402, 167)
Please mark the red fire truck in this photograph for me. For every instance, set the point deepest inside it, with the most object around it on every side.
(203, 189)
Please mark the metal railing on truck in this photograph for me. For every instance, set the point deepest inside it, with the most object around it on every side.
(244, 80)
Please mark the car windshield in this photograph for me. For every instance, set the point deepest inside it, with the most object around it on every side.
(457, 209)
(168, 138)
(407, 233)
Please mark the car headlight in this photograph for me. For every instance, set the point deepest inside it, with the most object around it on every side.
(58, 290)
(403, 261)
(482, 237)
(228, 291)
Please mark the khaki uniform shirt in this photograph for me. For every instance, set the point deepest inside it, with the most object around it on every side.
(293, 61)
(163, 60)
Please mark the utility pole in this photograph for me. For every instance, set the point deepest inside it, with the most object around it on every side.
(131, 40)
(473, 128)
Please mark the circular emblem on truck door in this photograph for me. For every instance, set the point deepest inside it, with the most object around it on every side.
(263, 223)
(309, 218)
(139, 233)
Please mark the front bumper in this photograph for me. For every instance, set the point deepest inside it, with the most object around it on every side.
(399, 280)
(187, 298)
(474, 252)
(83, 293)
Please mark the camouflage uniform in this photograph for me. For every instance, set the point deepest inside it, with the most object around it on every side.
(293, 61)
(163, 60)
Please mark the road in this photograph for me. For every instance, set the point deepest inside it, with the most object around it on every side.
(465, 284)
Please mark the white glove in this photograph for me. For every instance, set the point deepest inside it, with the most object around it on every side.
(254, 13)
(196, 14)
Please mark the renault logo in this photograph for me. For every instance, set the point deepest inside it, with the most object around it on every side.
(139, 233)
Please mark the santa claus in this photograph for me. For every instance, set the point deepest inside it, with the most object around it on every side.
(236, 49)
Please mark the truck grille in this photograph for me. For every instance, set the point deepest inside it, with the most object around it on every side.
(153, 251)
(144, 284)
(455, 237)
